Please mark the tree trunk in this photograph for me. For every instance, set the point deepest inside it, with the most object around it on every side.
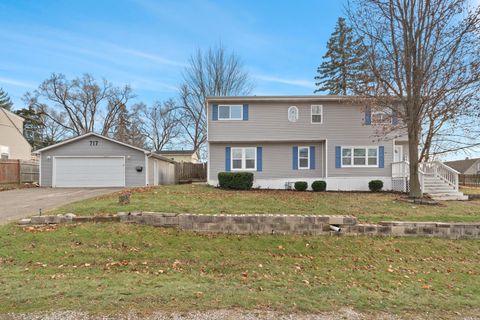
(415, 190)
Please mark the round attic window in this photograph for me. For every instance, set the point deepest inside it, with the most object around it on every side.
(293, 114)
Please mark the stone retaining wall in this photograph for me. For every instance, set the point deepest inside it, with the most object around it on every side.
(274, 224)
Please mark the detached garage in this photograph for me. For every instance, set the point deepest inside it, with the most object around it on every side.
(92, 160)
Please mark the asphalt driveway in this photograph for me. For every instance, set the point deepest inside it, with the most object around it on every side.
(20, 203)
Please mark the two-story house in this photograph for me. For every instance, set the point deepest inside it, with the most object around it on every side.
(283, 139)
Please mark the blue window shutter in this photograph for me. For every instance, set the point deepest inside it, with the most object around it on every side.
(228, 157)
(368, 116)
(312, 157)
(245, 112)
(338, 156)
(394, 117)
(381, 157)
(215, 112)
(295, 158)
(259, 159)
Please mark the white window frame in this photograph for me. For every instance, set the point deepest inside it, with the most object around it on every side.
(230, 112)
(296, 113)
(244, 159)
(366, 165)
(308, 158)
(316, 114)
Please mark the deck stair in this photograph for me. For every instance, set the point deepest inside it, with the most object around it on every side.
(437, 180)
(438, 189)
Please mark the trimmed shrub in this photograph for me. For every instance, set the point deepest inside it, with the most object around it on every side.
(319, 185)
(375, 185)
(301, 185)
(235, 180)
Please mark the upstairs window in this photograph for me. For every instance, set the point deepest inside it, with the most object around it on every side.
(382, 117)
(292, 114)
(234, 112)
(317, 114)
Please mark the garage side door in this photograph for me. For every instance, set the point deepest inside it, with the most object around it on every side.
(89, 172)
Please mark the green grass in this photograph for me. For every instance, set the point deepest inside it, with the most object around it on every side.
(104, 268)
(368, 207)
(470, 190)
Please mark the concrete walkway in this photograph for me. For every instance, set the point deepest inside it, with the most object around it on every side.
(20, 203)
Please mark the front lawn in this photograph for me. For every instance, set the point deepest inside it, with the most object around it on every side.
(368, 207)
(114, 268)
(470, 190)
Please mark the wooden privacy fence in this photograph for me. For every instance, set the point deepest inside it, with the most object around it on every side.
(470, 180)
(190, 172)
(18, 171)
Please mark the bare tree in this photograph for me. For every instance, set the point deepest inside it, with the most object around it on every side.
(39, 129)
(88, 105)
(424, 55)
(161, 124)
(52, 131)
(212, 73)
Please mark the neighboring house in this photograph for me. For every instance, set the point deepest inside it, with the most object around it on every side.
(283, 139)
(13, 144)
(180, 155)
(92, 160)
(467, 166)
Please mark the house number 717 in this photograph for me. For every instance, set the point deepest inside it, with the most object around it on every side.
(93, 143)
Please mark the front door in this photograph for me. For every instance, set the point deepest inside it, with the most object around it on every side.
(397, 155)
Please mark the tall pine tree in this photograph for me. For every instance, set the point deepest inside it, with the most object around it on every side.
(5, 101)
(344, 69)
(127, 128)
(33, 126)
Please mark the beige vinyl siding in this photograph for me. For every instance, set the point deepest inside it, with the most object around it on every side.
(277, 160)
(473, 169)
(269, 122)
(11, 129)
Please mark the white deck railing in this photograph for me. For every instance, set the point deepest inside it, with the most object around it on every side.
(434, 168)
(447, 174)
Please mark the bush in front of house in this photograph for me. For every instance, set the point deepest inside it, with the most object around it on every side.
(319, 185)
(301, 185)
(235, 180)
(375, 185)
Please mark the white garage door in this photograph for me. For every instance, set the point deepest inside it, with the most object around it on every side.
(89, 172)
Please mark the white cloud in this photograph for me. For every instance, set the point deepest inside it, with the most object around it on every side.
(292, 82)
(16, 83)
(152, 57)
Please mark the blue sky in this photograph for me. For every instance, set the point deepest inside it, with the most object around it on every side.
(146, 43)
